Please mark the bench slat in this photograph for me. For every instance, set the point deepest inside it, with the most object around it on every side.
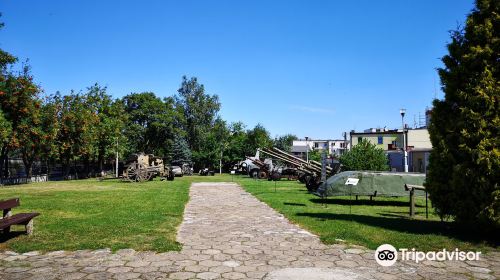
(9, 203)
(17, 219)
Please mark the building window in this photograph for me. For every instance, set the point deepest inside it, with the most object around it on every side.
(360, 139)
(395, 144)
(380, 140)
(316, 145)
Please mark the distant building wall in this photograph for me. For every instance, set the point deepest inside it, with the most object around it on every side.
(419, 139)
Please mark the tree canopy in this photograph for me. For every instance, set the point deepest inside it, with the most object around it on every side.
(464, 172)
(364, 156)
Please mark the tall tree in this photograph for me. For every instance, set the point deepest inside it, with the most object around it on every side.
(6, 60)
(151, 124)
(110, 124)
(76, 136)
(464, 172)
(21, 105)
(180, 152)
(198, 110)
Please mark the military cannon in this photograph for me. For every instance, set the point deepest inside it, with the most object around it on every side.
(309, 171)
(142, 167)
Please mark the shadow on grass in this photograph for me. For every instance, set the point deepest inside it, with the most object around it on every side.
(413, 226)
(11, 235)
(294, 204)
(363, 202)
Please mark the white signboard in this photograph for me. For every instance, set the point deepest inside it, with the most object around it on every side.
(352, 181)
(233, 172)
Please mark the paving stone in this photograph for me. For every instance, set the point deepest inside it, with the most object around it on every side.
(220, 269)
(208, 275)
(126, 276)
(119, 269)
(233, 275)
(73, 276)
(182, 275)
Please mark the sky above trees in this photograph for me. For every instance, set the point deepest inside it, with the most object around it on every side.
(311, 68)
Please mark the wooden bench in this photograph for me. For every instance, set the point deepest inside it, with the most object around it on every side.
(9, 220)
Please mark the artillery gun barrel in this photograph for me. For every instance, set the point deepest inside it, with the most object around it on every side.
(280, 157)
(291, 157)
(328, 168)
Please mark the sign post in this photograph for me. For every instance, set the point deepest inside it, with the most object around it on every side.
(351, 182)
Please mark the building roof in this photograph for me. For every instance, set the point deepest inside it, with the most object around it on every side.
(299, 149)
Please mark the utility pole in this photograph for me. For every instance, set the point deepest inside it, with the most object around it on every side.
(307, 149)
(405, 162)
(116, 171)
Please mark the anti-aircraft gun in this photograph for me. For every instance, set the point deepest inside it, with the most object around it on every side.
(141, 167)
(309, 172)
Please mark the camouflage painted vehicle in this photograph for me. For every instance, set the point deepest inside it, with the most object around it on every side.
(141, 167)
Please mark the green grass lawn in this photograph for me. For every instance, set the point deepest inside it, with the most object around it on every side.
(385, 220)
(89, 214)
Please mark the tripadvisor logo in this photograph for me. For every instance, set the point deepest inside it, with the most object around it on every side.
(387, 255)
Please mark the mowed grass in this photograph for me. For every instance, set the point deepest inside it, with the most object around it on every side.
(92, 214)
(385, 220)
(89, 214)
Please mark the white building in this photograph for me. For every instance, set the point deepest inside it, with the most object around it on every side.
(334, 147)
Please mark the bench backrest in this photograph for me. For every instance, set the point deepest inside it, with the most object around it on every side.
(9, 203)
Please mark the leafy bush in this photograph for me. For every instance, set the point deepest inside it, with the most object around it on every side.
(364, 156)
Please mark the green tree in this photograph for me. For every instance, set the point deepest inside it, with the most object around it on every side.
(234, 150)
(258, 137)
(197, 113)
(315, 154)
(180, 152)
(6, 60)
(21, 106)
(285, 142)
(111, 119)
(364, 156)
(464, 171)
(50, 126)
(76, 135)
(151, 124)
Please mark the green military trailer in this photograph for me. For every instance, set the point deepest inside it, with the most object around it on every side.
(371, 183)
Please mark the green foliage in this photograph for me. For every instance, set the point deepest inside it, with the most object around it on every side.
(258, 137)
(315, 154)
(20, 103)
(180, 152)
(464, 172)
(111, 120)
(284, 142)
(364, 156)
(5, 129)
(152, 123)
(77, 121)
(199, 111)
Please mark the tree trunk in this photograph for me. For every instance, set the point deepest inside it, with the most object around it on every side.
(4, 162)
(28, 166)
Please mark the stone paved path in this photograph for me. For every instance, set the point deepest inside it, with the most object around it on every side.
(229, 234)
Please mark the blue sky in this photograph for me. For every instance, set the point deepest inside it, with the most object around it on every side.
(311, 68)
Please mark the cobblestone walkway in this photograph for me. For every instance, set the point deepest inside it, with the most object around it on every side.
(229, 234)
